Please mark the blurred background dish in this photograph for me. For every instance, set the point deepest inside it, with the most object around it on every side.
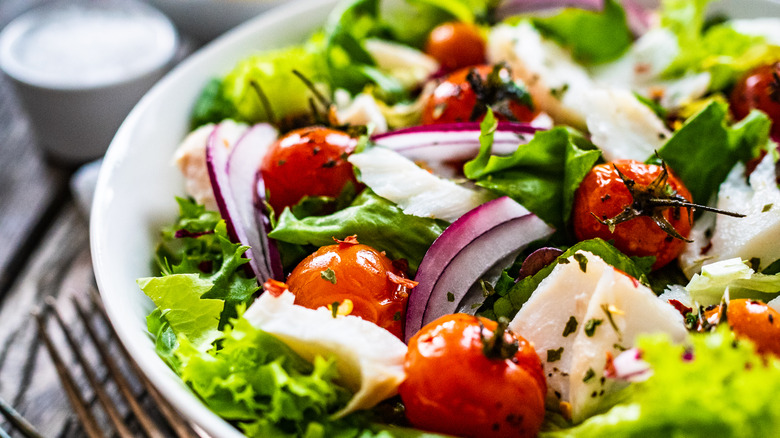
(205, 20)
(78, 68)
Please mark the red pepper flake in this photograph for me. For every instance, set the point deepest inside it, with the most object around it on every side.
(609, 368)
(402, 281)
(274, 287)
(349, 240)
(682, 308)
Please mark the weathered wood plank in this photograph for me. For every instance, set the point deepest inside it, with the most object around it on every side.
(60, 268)
(31, 189)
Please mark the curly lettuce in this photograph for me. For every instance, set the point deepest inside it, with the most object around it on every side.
(717, 386)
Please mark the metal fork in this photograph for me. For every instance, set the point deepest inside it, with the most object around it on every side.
(140, 404)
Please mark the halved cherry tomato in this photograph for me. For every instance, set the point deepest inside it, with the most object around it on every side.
(456, 45)
(453, 385)
(751, 319)
(759, 89)
(309, 161)
(603, 195)
(455, 99)
(361, 280)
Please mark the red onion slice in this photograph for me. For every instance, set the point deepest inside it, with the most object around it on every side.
(242, 167)
(232, 173)
(514, 7)
(467, 249)
(453, 141)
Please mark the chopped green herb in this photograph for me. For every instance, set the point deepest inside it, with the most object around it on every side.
(619, 347)
(590, 326)
(559, 92)
(328, 275)
(563, 262)
(571, 326)
(589, 375)
(397, 316)
(767, 208)
(582, 260)
(450, 297)
(608, 311)
(554, 355)
(334, 308)
(487, 288)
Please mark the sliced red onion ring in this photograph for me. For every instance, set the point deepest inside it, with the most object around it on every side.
(467, 249)
(629, 366)
(514, 7)
(232, 173)
(638, 17)
(537, 260)
(243, 166)
(453, 141)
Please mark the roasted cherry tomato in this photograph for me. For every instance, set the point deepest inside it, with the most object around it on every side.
(759, 89)
(456, 99)
(361, 280)
(467, 378)
(604, 197)
(456, 45)
(750, 319)
(309, 161)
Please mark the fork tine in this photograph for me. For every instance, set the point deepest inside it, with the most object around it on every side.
(146, 422)
(18, 421)
(76, 400)
(179, 426)
(108, 404)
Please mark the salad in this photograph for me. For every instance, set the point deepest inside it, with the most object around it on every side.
(468, 218)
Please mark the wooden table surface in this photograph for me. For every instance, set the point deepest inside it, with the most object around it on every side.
(44, 251)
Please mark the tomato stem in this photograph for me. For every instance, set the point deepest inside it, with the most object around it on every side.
(497, 346)
(496, 92)
(652, 200)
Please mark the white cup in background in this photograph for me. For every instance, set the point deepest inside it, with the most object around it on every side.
(79, 67)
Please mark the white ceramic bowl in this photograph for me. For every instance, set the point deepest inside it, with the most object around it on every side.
(205, 20)
(138, 181)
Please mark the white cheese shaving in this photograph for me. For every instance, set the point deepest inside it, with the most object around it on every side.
(369, 358)
(417, 191)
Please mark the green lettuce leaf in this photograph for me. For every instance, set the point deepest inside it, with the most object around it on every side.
(258, 381)
(719, 49)
(734, 275)
(178, 299)
(376, 221)
(197, 251)
(273, 72)
(507, 301)
(593, 37)
(541, 175)
(165, 341)
(350, 66)
(706, 148)
(725, 390)
(212, 105)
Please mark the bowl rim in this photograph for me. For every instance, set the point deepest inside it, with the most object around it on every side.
(153, 367)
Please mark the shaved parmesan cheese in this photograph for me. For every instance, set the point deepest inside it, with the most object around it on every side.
(748, 238)
(410, 66)
(362, 110)
(565, 293)
(609, 308)
(417, 191)
(623, 127)
(369, 358)
(556, 82)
